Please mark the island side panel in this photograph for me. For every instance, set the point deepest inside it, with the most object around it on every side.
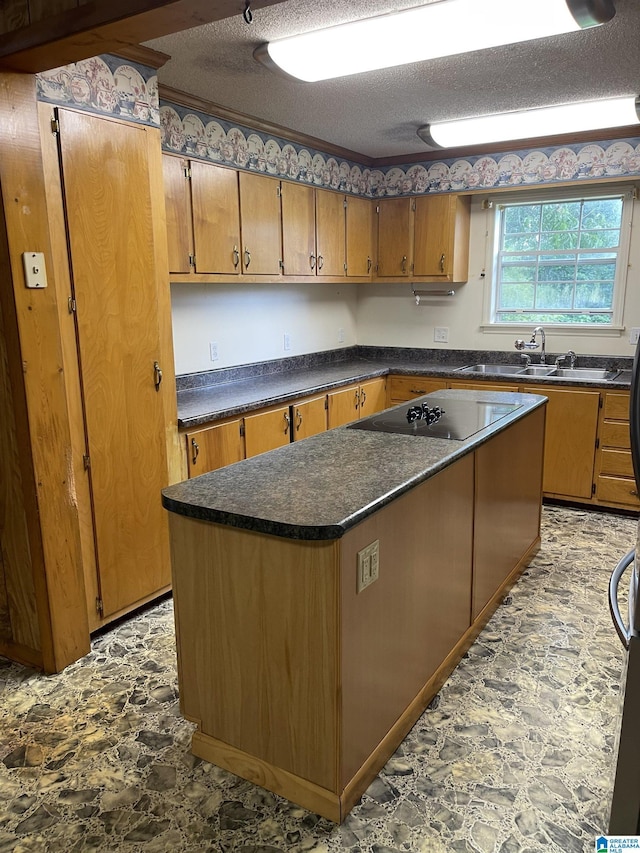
(508, 504)
(397, 631)
(256, 630)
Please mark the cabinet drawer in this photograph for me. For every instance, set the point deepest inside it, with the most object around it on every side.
(615, 435)
(484, 386)
(402, 388)
(617, 490)
(616, 462)
(616, 406)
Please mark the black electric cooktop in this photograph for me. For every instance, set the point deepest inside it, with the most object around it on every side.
(438, 417)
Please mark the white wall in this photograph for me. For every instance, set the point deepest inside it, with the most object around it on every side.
(388, 316)
(248, 322)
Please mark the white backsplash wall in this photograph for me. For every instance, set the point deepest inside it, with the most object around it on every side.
(388, 316)
(248, 323)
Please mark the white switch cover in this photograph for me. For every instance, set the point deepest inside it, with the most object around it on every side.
(35, 273)
(286, 342)
(441, 334)
(213, 351)
(368, 566)
(634, 335)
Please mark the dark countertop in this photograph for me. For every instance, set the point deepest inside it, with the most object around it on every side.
(318, 488)
(203, 398)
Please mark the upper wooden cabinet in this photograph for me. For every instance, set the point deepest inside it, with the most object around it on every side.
(358, 236)
(260, 217)
(177, 195)
(216, 218)
(313, 231)
(424, 238)
(441, 237)
(395, 238)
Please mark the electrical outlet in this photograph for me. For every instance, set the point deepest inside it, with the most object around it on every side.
(441, 334)
(340, 336)
(368, 566)
(213, 351)
(286, 342)
(634, 336)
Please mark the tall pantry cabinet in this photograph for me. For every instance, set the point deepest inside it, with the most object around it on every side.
(87, 386)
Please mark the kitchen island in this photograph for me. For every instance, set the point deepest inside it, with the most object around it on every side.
(326, 590)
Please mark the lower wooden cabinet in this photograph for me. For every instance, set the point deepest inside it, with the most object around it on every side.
(484, 386)
(404, 388)
(615, 483)
(309, 417)
(355, 402)
(267, 430)
(214, 447)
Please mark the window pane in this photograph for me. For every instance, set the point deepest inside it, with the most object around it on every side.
(561, 216)
(559, 240)
(517, 295)
(596, 272)
(554, 296)
(533, 317)
(557, 272)
(518, 273)
(599, 239)
(520, 242)
(602, 213)
(521, 218)
(595, 296)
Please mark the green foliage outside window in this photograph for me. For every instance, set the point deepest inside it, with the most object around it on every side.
(557, 261)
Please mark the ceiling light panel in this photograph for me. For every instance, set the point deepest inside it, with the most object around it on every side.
(443, 28)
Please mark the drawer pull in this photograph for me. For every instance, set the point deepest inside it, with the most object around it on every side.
(287, 423)
(298, 419)
(417, 390)
(634, 492)
(195, 450)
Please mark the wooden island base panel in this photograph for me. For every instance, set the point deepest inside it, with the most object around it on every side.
(297, 681)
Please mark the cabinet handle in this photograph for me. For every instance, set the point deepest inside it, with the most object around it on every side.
(195, 450)
(247, 258)
(157, 374)
(368, 265)
(357, 398)
(363, 398)
(312, 261)
(298, 419)
(404, 263)
(320, 262)
(287, 423)
(417, 391)
(236, 257)
(442, 262)
(634, 493)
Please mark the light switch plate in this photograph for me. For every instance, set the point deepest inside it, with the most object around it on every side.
(35, 273)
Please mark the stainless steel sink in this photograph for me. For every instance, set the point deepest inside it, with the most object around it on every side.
(490, 368)
(537, 370)
(585, 373)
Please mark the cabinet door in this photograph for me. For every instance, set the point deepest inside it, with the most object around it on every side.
(359, 236)
(441, 237)
(178, 207)
(570, 440)
(484, 386)
(343, 406)
(330, 233)
(214, 447)
(260, 224)
(298, 229)
(373, 397)
(394, 237)
(267, 430)
(216, 218)
(309, 417)
(109, 213)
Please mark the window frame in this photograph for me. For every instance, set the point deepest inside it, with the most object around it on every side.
(492, 205)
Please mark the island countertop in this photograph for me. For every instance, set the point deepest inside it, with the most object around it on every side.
(319, 488)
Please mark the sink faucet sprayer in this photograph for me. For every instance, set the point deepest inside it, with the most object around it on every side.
(532, 344)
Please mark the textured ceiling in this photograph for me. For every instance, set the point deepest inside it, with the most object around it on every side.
(377, 113)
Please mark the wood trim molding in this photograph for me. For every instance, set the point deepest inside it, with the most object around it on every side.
(143, 55)
(216, 110)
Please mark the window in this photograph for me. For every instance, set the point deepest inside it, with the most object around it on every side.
(561, 260)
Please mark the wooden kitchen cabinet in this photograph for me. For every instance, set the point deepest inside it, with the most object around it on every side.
(358, 236)
(615, 483)
(260, 221)
(395, 238)
(313, 231)
(267, 430)
(570, 440)
(309, 417)
(216, 218)
(214, 447)
(441, 237)
(403, 388)
(483, 386)
(355, 402)
(330, 233)
(177, 196)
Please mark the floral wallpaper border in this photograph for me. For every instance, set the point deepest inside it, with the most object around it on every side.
(108, 85)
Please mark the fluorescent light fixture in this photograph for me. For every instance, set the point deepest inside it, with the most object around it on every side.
(443, 28)
(528, 124)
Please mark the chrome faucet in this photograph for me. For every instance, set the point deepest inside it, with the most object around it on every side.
(533, 344)
(570, 355)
